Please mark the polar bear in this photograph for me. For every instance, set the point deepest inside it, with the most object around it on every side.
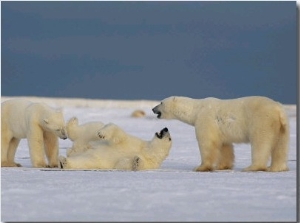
(219, 123)
(119, 150)
(37, 122)
(81, 135)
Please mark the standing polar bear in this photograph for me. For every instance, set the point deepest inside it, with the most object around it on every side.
(37, 122)
(81, 135)
(219, 123)
(119, 150)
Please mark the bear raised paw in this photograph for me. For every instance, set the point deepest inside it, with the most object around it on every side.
(81, 135)
(259, 121)
(119, 150)
(39, 124)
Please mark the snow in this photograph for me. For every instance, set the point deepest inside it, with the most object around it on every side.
(171, 193)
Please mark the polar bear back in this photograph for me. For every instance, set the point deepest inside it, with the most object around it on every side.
(19, 114)
(237, 119)
(233, 120)
(13, 114)
(99, 157)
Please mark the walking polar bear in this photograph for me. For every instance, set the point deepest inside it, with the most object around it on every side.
(219, 123)
(119, 150)
(37, 122)
(81, 135)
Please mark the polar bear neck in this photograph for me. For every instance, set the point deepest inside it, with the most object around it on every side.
(155, 154)
(185, 111)
(44, 109)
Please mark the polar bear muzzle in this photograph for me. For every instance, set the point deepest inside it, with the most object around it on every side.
(157, 111)
(63, 134)
(163, 133)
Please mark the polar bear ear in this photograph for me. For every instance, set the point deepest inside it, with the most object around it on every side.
(72, 120)
(46, 121)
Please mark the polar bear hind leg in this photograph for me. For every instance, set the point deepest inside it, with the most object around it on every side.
(5, 140)
(269, 139)
(226, 157)
(261, 147)
(279, 153)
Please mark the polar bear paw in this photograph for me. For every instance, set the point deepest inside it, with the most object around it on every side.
(277, 168)
(136, 163)
(203, 168)
(52, 166)
(255, 168)
(101, 135)
(18, 165)
(62, 162)
(7, 164)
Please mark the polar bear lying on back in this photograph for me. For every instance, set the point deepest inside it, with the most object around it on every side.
(219, 123)
(119, 150)
(81, 135)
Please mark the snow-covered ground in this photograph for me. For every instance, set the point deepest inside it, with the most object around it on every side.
(172, 193)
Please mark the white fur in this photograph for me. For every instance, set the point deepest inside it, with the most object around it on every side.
(81, 135)
(37, 122)
(219, 123)
(119, 150)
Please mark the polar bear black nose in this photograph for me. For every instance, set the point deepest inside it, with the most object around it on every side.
(155, 110)
(163, 131)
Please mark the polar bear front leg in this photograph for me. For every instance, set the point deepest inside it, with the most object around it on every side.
(208, 158)
(36, 148)
(208, 147)
(51, 149)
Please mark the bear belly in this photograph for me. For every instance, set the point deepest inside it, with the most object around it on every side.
(232, 130)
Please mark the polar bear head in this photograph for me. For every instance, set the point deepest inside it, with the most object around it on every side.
(170, 107)
(162, 136)
(112, 134)
(54, 122)
(160, 144)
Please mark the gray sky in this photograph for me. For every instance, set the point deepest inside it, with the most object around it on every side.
(149, 50)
